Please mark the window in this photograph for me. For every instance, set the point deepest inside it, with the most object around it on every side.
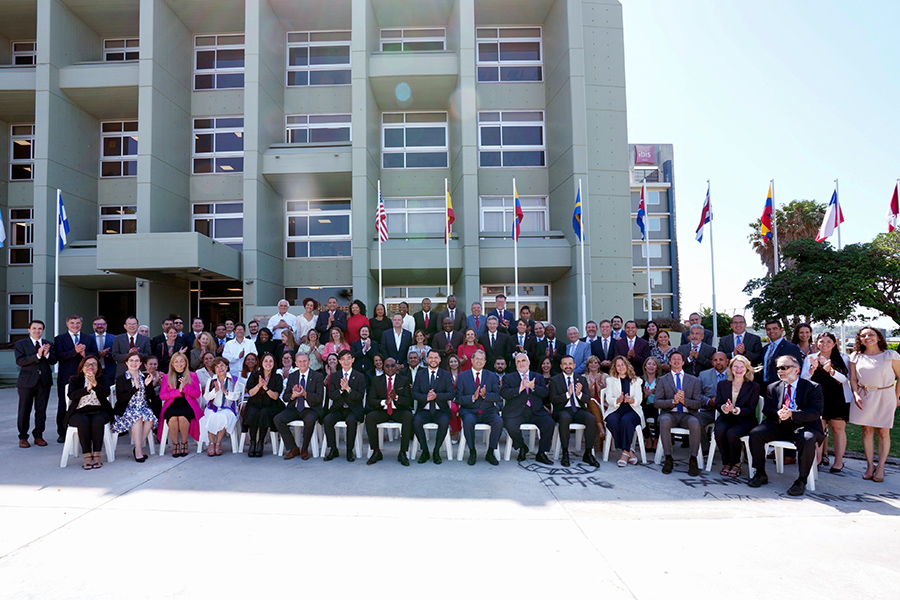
(414, 141)
(535, 296)
(655, 224)
(21, 236)
(318, 58)
(318, 228)
(118, 219)
(221, 221)
(657, 304)
(413, 40)
(119, 141)
(655, 251)
(317, 129)
(511, 139)
(121, 49)
(21, 152)
(415, 215)
(19, 316)
(24, 54)
(413, 296)
(219, 145)
(218, 62)
(497, 213)
(509, 54)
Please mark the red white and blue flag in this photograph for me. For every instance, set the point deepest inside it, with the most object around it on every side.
(705, 216)
(381, 219)
(642, 214)
(834, 216)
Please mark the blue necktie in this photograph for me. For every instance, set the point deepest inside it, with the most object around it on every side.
(678, 387)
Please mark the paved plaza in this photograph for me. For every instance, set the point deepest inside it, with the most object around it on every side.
(233, 527)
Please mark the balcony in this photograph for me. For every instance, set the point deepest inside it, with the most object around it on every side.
(542, 254)
(309, 171)
(413, 80)
(183, 255)
(104, 90)
(17, 94)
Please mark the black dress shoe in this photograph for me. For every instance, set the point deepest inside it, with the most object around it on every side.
(693, 469)
(331, 454)
(423, 458)
(590, 459)
(472, 458)
(523, 453)
(542, 458)
(376, 456)
(668, 465)
(436, 457)
(758, 480)
(565, 459)
(403, 459)
(491, 458)
(350, 456)
(60, 440)
(798, 489)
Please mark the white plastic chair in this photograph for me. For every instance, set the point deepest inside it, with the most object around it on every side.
(533, 432)
(391, 428)
(780, 447)
(273, 438)
(233, 434)
(745, 439)
(72, 446)
(637, 439)
(342, 426)
(578, 428)
(297, 429)
(676, 431)
(487, 440)
(448, 444)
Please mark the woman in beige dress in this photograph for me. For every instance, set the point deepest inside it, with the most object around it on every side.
(875, 381)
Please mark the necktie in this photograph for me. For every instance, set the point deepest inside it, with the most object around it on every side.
(390, 386)
(130, 342)
(720, 376)
(605, 347)
(432, 379)
(787, 397)
(527, 391)
(572, 400)
(476, 323)
(452, 313)
(477, 381)
(426, 320)
(678, 387)
(492, 341)
(76, 339)
(739, 340)
(302, 385)
(522, 340)
(631, 344)
(769, 352)
(448, 337)
(37, 345)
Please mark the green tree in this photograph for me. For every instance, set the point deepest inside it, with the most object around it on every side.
(797, 220)
(878, 263)
(724, 321)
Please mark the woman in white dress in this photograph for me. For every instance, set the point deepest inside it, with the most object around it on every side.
(220, 396)
(306, 321)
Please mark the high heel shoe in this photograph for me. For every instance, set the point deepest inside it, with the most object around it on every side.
(136, 459)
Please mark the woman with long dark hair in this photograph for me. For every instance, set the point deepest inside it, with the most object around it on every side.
(89, 409)
(829, 368)
(264, 387)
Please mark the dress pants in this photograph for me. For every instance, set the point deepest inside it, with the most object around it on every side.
(431, 416)
(621, 424)
(728, 440)
(805, 440)
(707, 417)
(491, 417)
(566, 416)
(61, 409)
(669, 419)
(340, 414)
(289, 414)
(90, 429)
(376, 417)
(544, 424)
(37, 397)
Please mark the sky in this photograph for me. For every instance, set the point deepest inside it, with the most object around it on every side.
(801, 92)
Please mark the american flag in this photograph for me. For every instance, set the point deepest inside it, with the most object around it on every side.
(381, 220)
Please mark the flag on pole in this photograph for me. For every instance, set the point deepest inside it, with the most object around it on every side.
(642, 214)
(576, 217)
(705, 216)
(2, 232)
(63, 224)
(893, 210)
(381, 220)
(766, 229)
(519, 216)
(834, 216)
(450, 218)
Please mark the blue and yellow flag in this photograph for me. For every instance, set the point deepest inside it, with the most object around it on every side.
(576, 217)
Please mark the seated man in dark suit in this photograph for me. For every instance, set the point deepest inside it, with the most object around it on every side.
(125, 342)
(331, 317)
(346, 390)
(426, 320)
(635, 349)
(742, 342)
(34, 357)
(522, 340)
(456, 314)
(395, 342)
(389, 400)
(447, 340)
(604, 347)
(697, 353)
(364, 349)
(694, 319)
(478, 396)
(524, 393)
(570, 397)
(678, 398)
(69, 347)
(793, 413)
(495, 343)
(303, 392)
(433, 391)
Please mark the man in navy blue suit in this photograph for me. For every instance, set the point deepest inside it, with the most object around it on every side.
(524, 392)
(70, 347)
(777, 346)
(34, 357)
(331, 317)
(478, 393)
(433, 391)
(104, 342)
(504, 317)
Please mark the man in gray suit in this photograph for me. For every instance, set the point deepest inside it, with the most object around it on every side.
(709, 380)
(697, 353)
(123, 344)
(741, 342)
(694, 319)
(678, 398)
(456, 314)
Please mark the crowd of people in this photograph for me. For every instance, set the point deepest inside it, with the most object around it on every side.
(455, 371)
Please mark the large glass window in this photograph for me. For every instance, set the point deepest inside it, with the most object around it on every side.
(318, 228)
(118, 219)
(414, 140)
(511, 138)
(219, 145)
(509, 54)
(21, 152)
(119, 49)
(318, 58)
(497, 213)
(317, 129)
(221, 221)
(20, 314)
(413, 40)
(219, 61)
(535, 296)
(21, 236)
(413, 296)
(24, 54)
(415, 215)
(119, 141)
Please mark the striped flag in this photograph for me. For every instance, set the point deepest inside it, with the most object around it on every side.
(62, 225)
(642, 214)
(519, 216)
(893, 210)
(381, 220)
(705, 216)
(450, 218)
(766, 229)
(576, 217)
(834, 216)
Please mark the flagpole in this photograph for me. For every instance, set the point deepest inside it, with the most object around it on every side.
(647, 250)
(837, 214)
(380, 279)
(712, 262)
(56, 265)
(447, 232)
(774, 226)
(583, 282)
(516, 252)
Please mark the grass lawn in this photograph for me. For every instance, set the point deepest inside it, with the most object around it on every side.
(854, 437)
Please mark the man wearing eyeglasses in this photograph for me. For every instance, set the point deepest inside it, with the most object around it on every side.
(793, 413)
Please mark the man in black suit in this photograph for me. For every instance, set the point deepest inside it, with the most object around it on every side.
(478, 396)
(522, 340)
(777, 346)
(694, 319)
(395, 342)
(635, 349)
(104, 341)
(331, 317)
(568, 394)
(505, 317)
(616, 324)
(447, 340)
(34, 357)
(457, 315)
(161, 338)
(303, 392)
(604, 347)
(123, 343)
(524, 393)
(552, 346)
(389, 400)
(697, 353)
(363, 350)
(742, 342)
(793, 413)
(196, 329)
(525, 315)
(69, 347)
(433, 391)
(346, 390)
(426, 320)
(495, 343)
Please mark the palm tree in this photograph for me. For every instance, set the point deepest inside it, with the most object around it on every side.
(797, 220)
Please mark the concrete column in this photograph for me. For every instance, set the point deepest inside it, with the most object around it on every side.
(156, 300)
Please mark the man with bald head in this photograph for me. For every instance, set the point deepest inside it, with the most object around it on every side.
(709, 379)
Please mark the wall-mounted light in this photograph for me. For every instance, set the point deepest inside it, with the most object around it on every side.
(248, 282)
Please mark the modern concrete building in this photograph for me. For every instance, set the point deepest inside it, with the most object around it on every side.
(215, 157)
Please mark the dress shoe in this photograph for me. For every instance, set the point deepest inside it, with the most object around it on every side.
(491, 458)
(542, 458)
(565, 459)
(798, 489)
(472, 457)
(758, 480)
(292, 453)
(24, 444)
(523, 454)
(403, 459)
(436, 456)
(423, 458)
(693, 469)
(668, 465)
(60, 440)
(350, 456)
(304, 454)
(331, 454)
(40, 441)
(590, 460)
(376, 456)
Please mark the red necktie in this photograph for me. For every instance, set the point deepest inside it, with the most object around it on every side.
(477, 382)
(426, 320)
(130, 342)
(476, 324)
(787, 397)
(37, 345)
(390, 387)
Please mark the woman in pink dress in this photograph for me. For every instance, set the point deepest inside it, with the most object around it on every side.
(179, 394)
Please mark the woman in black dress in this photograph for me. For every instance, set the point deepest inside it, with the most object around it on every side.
(264, 388)
(379, 323)
(89, 409)
(265, 343)
(828, 367)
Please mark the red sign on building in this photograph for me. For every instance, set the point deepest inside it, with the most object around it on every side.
(644, 155)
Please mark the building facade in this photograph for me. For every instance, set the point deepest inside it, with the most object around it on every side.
(214, 157)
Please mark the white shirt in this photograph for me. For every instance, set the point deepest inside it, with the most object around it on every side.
(409, 323)
(302, 328)
(232, 353)
(288, 318)
(398, 337)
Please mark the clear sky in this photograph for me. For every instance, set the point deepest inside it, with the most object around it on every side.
(801, 92)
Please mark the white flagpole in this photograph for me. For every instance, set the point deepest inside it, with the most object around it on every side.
(712, 261)
(380, 279)
(774, 227)
(447, 231)
(516, 253)
(837, 213)
(583, 281)
(56, 329)
(647, 251)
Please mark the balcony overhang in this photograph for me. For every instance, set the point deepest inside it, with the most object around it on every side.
(17, 94)
(104, 90)
(309, 171)
(414, 80)
(161, 256)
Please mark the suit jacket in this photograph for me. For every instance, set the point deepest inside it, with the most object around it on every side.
(433, 325)
(747, 401)
(125, 390)
(109, 365)
(597, 349)
(768, 373)
(480, 328)
(465, 389)
(555, 349)
(353, 398)
(506, 314)
(439, 343)
(31, 368)
(443, 387)
(641, 352)
(559, 391)
(340, 321)
(68, 359)
(162, 353)
(378, 392)
(459, 319)
(389, 346)
(703, 360)
(315, 390)
(77, 391)
(753, 349)
(529, 346)
(665, 393)
(189, 338)
(120, 347)
(709, 383)
(810, 403)
(707, 337)
(156, 341)
(580, 353)
(502, 348)
(362, 361)
(515, 402)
